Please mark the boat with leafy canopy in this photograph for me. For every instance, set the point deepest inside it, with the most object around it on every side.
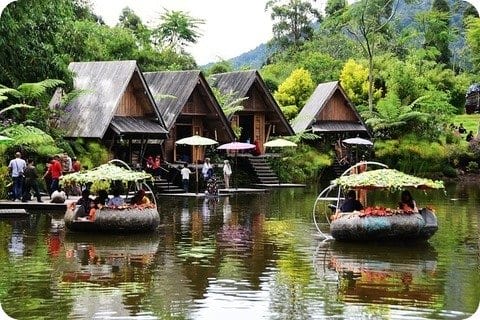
(121, 219)
(377, 223)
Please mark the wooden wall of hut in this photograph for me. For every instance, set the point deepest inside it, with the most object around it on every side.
(134, 101)
(337, 109)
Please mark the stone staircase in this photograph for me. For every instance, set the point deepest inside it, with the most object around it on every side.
(161, 185)
(264, 173)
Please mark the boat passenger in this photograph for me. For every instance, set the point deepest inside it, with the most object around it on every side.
(351, 203)
(102, 198)
(140, 199)
(85, 201)
(116, 201)
(407, 204)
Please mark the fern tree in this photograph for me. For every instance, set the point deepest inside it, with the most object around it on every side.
(391, 119)
(35, 96)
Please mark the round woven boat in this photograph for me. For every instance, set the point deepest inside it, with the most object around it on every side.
(128, 220)
(353, 227)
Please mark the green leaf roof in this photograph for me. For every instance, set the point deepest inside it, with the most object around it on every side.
(386, 179)
(105, 172)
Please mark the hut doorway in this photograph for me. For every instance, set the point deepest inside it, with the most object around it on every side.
(183, 152)
(246, 123)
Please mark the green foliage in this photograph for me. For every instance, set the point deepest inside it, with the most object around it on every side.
(178, 29)
(30, 140)
(296, 89)
(290, 112)
(5, 181)
(473, 40)
(221, 66)
(413, 155)
(229, 102)
(300, 164)
(354, 80)
(95, 155)
(29, 48)
(472, 167)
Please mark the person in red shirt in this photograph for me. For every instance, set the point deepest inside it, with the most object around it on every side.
(55, 171)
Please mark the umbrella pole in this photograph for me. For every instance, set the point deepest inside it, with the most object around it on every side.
(196, 172)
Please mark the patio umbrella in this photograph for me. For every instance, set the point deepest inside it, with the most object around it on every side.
(280, 143)
(357, 142)
(235, 146)
(196, 141)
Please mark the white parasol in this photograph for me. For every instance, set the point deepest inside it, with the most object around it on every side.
(196, 141)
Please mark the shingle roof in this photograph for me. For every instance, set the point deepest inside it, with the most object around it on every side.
(306, 118)
(239, 83)
(104, 83)
(171, 90)
(137, 126)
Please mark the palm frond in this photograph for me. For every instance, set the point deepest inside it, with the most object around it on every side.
(37, 89)
(16, 106)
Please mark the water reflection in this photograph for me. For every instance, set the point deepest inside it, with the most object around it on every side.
(381, 273)
(246, 255)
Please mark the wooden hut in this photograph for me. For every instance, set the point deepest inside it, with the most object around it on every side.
(331, 115)
(116, 108)
(188, 107)
(261, 116)
(328, 111)
(472, 99)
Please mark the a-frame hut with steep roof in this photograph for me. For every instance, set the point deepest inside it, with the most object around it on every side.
(261, 117)
(331, 115)
(328, 111)
(189, 108)
(116, 108)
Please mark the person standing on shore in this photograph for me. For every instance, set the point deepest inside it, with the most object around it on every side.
(227, 172)
(185, 177)
(31, 176)
(55, 171)
(17, 168)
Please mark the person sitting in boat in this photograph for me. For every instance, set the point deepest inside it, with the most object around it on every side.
(140, 199)
(116, 201)
(351, 203)
(407, 204)
(85, 203)
(102, 198)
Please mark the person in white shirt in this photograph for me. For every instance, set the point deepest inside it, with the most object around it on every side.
(116, 201)
(17, 167)
(185, 176)
(227, 172)
(206, 172)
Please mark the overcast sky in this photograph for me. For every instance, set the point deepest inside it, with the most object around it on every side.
(231, 27)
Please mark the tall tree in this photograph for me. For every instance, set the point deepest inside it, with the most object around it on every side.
(178, 29)
(28, 47)
(473, 40)
(438, 32)
(293, 21)
(130, 20)
(367, 22)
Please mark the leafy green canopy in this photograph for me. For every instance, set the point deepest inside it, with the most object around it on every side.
(106, 172)
(386, 179)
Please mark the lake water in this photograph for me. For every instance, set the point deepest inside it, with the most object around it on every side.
(247, 256)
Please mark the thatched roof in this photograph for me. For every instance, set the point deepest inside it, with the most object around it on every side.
(307, 117)
(173, 89)
(104, 83)
(240, 82)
